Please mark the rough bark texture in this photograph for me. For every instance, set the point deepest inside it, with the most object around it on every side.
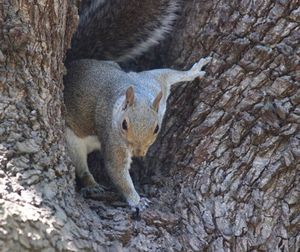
(229, 154)
(224, 174)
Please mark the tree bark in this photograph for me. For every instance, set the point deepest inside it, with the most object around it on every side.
(228, 157)
(224, 173)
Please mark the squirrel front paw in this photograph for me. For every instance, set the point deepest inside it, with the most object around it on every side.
(142, 205)
(136, 202)
(196, 70)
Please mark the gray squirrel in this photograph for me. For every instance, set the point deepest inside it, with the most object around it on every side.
(116, 112)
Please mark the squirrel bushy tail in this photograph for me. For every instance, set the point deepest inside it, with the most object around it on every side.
(119, 30)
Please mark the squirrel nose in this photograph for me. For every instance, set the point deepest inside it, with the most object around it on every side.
(140, 152)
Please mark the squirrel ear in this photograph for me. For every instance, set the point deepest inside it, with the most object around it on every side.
(156, 101)
(129, 97)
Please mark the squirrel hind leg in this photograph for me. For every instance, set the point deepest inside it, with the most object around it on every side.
(174, 76)
(196, 70)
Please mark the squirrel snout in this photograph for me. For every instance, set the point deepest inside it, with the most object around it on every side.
(139, 152)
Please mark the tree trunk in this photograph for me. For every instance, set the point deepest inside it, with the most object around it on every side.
(224, 173)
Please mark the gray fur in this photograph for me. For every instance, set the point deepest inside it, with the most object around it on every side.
(97, 105)
(121, 29)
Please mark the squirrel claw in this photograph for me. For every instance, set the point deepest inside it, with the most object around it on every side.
(142, 205)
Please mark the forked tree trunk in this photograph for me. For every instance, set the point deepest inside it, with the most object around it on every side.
(224, 174)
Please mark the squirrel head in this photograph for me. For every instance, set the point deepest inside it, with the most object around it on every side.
(139, 122)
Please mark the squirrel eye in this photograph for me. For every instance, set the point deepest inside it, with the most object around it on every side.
(124, 125)
(156, 129)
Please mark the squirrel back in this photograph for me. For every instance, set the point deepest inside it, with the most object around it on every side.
(121, 29)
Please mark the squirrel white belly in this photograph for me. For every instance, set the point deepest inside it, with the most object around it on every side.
(120, 113)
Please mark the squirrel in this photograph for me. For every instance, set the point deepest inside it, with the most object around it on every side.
(119, 113)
